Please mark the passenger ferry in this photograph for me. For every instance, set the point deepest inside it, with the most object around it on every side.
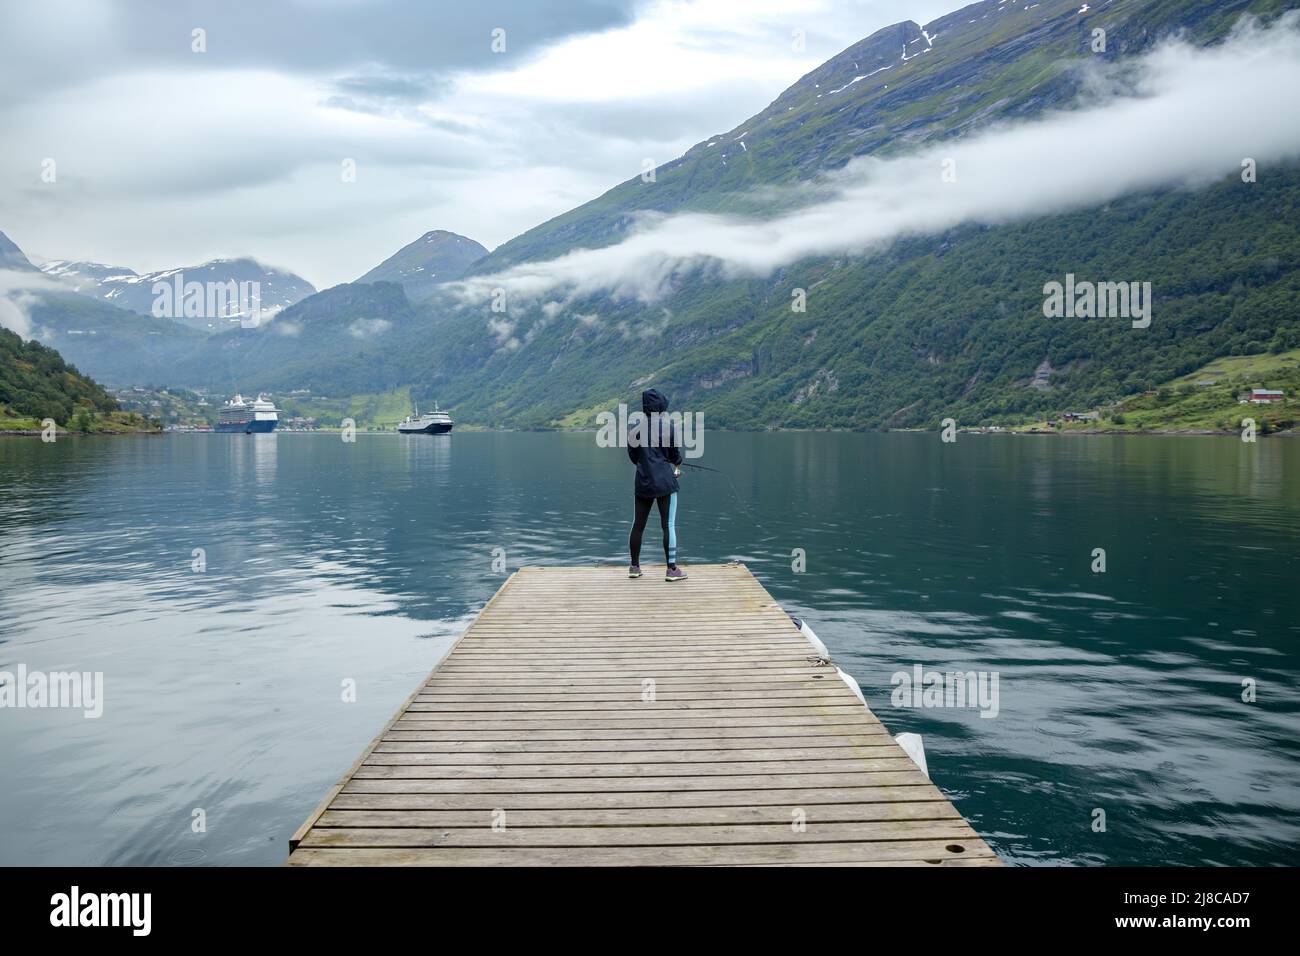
(430, 423)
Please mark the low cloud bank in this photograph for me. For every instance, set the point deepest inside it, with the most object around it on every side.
(19, 291)
(1180, 115)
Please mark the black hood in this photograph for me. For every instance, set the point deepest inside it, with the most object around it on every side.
(653, 400)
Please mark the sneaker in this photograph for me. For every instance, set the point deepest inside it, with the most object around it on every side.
(675, 574)
(634, 571)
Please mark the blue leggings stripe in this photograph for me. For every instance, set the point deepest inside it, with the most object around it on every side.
(672, 528)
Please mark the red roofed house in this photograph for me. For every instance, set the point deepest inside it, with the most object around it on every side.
(1261, 396)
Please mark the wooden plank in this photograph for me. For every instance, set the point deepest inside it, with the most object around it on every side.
(649, 710)
(600, 736)
(777, 814)
(590, 836)
(510, 682)
(642, 758)
(536, 742)
(419, 767)
(580, 751)
(391, 783)
(643, 713)
(632, 800)
(907, 852)
(503, 722)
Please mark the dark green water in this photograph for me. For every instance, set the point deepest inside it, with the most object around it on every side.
(329, 561)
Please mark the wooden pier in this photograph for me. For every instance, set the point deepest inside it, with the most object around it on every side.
(585, 719)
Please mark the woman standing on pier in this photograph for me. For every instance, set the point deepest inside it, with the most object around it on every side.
(653, 447)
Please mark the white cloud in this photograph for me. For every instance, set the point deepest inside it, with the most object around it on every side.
(192, 157)
(368, 328)
(13, 316)
(1191, 117)
(673, 48)
(18, 289)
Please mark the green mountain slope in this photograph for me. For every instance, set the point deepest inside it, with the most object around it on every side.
(1207, 400)
(337, 342)
(35, 383)
(939, 326)
(935, 328)
(112, 344)
(352, 339)
(435, 257)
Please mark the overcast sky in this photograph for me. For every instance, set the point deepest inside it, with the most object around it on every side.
(167, 157)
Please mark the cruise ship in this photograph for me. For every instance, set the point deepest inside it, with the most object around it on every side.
(430, 423)
(240, 415)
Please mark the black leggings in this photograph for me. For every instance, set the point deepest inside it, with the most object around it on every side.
(667, 515)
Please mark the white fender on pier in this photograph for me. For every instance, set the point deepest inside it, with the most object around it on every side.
(911, 743)
(853, 684)
(813, 639)
(914, 748)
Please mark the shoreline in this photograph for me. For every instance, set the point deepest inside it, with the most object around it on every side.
(1040, 433)
(1153, 433)
(61, 433)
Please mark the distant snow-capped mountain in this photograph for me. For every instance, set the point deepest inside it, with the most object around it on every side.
(202, 297)
(86, 276)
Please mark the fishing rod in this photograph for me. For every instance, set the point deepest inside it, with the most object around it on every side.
(735, 494)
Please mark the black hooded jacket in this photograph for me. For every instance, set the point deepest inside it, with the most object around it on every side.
(656, 456)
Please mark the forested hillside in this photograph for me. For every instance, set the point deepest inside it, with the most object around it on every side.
(36, 383)
(940, 325)
(937, 327)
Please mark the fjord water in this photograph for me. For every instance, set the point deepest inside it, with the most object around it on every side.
(328, 563)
